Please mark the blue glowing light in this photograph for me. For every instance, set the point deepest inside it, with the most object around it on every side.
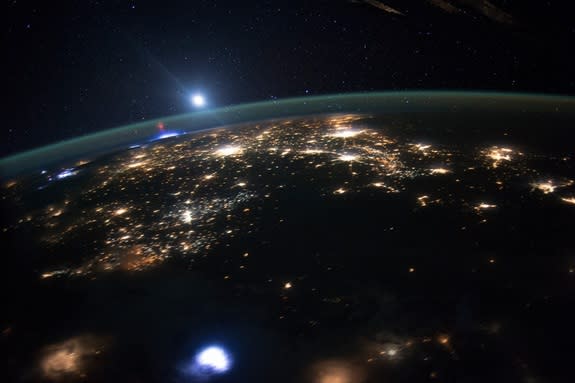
(66, 173)
(212, 360)
(165, 135)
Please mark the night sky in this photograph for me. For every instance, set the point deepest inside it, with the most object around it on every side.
(76, 67)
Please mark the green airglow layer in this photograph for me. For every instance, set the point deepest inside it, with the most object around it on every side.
(378, 102)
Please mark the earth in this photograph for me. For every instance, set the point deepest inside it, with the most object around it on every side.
(406, 237)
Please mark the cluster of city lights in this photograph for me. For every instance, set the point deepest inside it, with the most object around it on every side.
(187, 196)
(192, 196)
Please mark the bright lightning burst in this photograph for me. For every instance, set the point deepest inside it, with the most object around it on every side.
(66, 173)
(212, 360)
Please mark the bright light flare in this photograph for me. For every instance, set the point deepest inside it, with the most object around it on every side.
(211, 360)
(198, 100)
(166, 135)
(215, 358)
(570, 200)
(66, 173)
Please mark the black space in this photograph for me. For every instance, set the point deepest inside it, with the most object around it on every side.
(75, 67)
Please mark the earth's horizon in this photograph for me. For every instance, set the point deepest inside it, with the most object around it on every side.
(388, 238)
(103, 142)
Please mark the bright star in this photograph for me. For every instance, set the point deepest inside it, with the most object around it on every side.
(198, 100)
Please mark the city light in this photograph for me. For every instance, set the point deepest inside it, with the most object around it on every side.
(215, 177)
(228, 151)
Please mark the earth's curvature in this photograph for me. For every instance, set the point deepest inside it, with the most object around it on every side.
(350, 238)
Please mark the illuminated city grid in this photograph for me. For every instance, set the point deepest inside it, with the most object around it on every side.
(185, 196)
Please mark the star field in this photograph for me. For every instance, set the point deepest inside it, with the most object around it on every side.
(76, 69)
